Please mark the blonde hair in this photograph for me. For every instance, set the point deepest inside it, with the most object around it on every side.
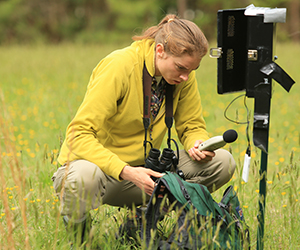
(179, 36)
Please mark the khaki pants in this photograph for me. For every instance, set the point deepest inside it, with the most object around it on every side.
(84, 186)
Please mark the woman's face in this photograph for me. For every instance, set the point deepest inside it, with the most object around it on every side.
(172, 68)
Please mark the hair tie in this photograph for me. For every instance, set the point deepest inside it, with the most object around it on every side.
(170, 20)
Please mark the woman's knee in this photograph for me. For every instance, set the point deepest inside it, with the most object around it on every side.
(227, 163)
(86, 175)
(80, 176)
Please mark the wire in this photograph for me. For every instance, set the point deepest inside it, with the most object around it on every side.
(248, 151)
(231, 120)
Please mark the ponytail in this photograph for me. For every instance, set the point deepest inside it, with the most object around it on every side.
(179, 36)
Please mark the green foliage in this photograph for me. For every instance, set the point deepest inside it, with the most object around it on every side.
(54, 21)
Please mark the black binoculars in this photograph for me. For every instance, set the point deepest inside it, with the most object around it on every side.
(163, 164)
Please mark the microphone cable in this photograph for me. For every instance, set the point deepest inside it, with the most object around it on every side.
(248, 151)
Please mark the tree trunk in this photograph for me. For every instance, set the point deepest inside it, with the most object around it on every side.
(181, 6)
(294, 20)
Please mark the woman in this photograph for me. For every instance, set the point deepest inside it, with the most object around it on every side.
(102, 156)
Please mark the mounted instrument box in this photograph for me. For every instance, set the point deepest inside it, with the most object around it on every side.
(245, 45)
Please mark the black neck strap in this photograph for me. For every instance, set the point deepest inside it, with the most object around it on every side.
(147, 82)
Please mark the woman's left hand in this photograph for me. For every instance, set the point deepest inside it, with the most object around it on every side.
(197, 155)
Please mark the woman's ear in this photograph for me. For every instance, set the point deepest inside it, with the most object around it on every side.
(159, 50)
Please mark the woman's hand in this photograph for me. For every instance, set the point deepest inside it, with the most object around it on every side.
(141, 177)
(197, 155)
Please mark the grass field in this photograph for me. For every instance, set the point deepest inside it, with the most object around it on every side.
(40, 90)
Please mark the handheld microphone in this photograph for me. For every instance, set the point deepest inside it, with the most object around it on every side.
(219, 141)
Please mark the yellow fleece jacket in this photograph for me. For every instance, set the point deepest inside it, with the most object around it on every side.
(108, 126)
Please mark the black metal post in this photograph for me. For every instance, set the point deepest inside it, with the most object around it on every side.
(262, 95)
(262, 200)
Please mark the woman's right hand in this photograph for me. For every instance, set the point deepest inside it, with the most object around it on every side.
(141, 177)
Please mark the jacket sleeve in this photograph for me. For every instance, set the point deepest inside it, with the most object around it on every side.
(107, 85)
(189, 121)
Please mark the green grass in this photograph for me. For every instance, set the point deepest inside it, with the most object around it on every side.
(41, 89)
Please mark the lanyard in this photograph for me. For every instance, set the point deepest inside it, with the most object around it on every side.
(147, 82)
